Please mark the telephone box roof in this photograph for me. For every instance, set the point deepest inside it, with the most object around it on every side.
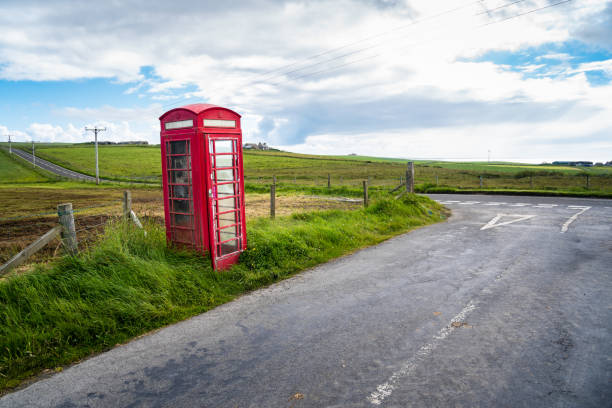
(198, 108)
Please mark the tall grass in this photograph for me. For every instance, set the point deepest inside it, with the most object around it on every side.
(130, 283)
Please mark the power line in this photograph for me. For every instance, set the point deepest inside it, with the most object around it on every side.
(379, 43)
(413, 23)
(329, 69)
(379, 54)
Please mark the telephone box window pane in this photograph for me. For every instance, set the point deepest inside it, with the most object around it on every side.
(179, 124)
(178, 147)
(181, 206)
(179, 177)
(225, 160)
(181, 220)
(226, 204)
(226, 234)
(228, 247)
(225, 175)
(179, 162)
(180, 191)
(181, 235)
(227, 219)
(225, 189)
(224, 146)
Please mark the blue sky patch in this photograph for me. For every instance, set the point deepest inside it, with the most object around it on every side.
(551, 60)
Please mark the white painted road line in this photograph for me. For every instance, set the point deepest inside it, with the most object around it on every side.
(519, 204)
(494, 203)
(545, 206)
(494, 221)
(469, 202)
(571, 219)
(577, 207)
(386, 389)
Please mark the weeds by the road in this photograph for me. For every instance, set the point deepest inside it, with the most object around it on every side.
(130, 283)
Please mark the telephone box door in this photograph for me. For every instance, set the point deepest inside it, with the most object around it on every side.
(226, 193)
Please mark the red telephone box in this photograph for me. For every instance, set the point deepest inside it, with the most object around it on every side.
(201, 149)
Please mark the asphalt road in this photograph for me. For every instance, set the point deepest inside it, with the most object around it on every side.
(53, 168)
(508, 304)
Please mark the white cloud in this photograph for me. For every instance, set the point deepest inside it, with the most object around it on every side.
(16, 135)
(417, 80)
(45, 132)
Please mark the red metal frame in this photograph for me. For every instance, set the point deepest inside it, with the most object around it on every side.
(208, 226)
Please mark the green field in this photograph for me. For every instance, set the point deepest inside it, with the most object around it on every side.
(142, 164)
(14, 170)
(115, 162)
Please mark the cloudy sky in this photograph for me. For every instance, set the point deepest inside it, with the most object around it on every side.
(526, 80)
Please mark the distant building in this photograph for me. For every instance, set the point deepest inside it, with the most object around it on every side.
(256, 146)
(608, 163)
(134, 142)
(573, 163)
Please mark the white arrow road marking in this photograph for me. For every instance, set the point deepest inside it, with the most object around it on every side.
(407, 369)
(571, 219)
(493, 223)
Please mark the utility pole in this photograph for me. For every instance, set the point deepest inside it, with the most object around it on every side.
(96, 130)
(10, 148)
(33, 155)
(489, 156)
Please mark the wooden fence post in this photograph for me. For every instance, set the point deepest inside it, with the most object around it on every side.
(480, 178)
(365, 193)
(127, 203)
(273, 201)
(66, 220)
(588, 183)
(436, 179)
(410, 178)
(274, 180)
(328, 180)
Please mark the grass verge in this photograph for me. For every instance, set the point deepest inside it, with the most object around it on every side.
(129, 284)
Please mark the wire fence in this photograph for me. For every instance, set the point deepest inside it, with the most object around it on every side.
(426, 177)
(18, 232)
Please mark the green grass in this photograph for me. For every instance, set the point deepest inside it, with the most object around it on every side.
(115, 162)
(14, 170)
(142, 163)
(129, 283)
(515, 168)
